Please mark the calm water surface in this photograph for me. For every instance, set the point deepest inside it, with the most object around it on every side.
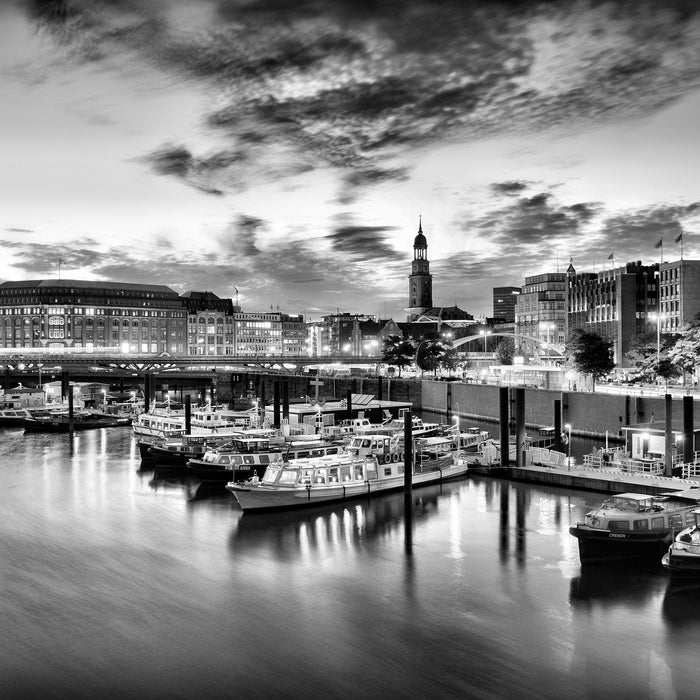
(121, 582)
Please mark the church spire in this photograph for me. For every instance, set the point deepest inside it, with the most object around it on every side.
(420, 223)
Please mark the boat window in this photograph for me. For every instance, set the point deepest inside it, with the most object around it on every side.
(359, 476)
(248, 459)
(289, 476)
(371, 471)
(270, 475)
(345, 473)
(387, 471)
(619, 525)
(237, 459)
(366, 443)
(264, 459)
(306, 476)
(640, 525)
(225, 460)
(333, 475)
(675, 521)
(658, 523)
(321, 476)
(302, 454)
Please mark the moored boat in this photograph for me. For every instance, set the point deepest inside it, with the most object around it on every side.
(60, 422)
(313, 481)
(635, 527)
(682, 560)
(246, 456)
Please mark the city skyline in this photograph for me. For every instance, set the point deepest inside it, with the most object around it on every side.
(286, 149)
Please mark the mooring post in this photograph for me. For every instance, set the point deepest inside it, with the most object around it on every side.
(276, 400)
(188, 414)
(668, 434)
(520, 427)
(348, 402)
(503, 422)
(557, 446)
(407, 458)
(71, 425)
(688, 432)
(285, 399)
(146, 393)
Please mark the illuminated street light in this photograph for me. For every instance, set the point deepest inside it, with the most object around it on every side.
(485, 334)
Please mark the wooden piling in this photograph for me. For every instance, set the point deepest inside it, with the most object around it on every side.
(668, 434)
(503, 423)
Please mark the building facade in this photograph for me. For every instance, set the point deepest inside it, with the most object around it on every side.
(540, 310)
(79, 314)
(504, 303)
(679, 294)
(617, 304)
(210, 328)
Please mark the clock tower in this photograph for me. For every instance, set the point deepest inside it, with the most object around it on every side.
(420, 281)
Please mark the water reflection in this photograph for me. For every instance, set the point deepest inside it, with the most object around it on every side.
(608, 586)
(355, 523)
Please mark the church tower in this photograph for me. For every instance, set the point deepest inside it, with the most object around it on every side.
(420, 281)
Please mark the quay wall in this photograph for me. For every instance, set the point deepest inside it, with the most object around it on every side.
(588, 413)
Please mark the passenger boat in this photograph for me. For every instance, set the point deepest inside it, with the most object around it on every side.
(682, 560)
(14, 417)
(162, 423)
(350, 474)
(634, 526)
(472, 438)
(246, 456)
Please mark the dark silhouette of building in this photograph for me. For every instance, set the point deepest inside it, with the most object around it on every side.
(504, 302)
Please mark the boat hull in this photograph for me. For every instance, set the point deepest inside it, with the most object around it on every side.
(206, 471)
(682, 565)
(259, 498)
(605, 546)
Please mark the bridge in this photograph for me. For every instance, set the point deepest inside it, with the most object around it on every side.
(41, 359)
(550, 349)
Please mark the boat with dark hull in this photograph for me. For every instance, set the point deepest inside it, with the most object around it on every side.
(245, 457)
(682, 560)
(60, 423)
(634, 527)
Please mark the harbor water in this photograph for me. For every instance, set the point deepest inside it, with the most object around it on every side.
(119, 581)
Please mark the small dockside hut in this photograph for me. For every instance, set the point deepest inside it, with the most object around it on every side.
(648, 440)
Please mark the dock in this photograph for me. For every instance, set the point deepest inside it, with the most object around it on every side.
(606, 480)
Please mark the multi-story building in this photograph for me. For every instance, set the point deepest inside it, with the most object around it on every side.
(504, 303)
(258, 334)
(617, 304)
(210, 327)
(540, 310)
(293, 335)
(90, 315)
(679, 293)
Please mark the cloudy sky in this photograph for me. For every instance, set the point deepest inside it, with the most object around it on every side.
(288, 147)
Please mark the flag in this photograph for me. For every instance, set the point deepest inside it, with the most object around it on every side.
(660, 243)
(679, 237)
(610, 257)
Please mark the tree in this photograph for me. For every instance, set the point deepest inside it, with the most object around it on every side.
(667, 369)
(505, 351)
(398, 352)
(647, 351)
(685, 351)
(429, 355)
(589, 353)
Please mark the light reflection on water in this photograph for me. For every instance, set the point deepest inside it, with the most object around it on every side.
(120, 580)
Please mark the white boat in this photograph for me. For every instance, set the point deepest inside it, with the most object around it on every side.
(682, 560)
(359, 471)
(246, 455)
(634, 526)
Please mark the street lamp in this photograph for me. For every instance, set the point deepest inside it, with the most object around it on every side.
(568, 445)
(658, 317)
(485, 334)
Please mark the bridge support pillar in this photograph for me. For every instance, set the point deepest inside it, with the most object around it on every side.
(688, 432)
(504, 424)
(276, 403)
(520, 426)
(285, 399)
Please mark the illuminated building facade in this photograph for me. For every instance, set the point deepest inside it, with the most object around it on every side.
(145, 319)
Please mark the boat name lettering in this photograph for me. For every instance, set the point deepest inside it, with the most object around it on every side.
(618, 535)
